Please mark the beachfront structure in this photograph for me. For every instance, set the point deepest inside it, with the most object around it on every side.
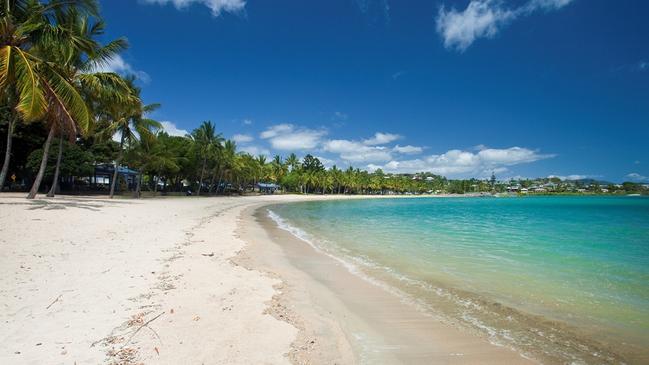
(104, 173)
(267, 188)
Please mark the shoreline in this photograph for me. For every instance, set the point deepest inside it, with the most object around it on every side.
(209, 279)
(340, 313)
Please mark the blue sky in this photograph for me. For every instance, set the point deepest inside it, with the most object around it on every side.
(458, 87)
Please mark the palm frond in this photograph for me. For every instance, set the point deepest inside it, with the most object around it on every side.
(31, 104)
(5, 66)
(68, 105)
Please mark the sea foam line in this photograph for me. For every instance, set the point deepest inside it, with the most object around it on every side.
(493, 335)
(419, 304)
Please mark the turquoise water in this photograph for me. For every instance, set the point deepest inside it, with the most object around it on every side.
(563, 277)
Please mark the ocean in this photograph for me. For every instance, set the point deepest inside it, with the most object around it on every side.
(559, 278)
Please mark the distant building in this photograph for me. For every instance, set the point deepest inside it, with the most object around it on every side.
(267, 188)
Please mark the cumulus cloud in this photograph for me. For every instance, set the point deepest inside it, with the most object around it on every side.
(484, 19)
(327, 162)
(254, 150)
(216, 6)
(458, 162)
(118, 65)
(171, 129)
(242, 138)
(634, 176)
(381, 138)
(288, 137)
(408, 150)
(354, 151)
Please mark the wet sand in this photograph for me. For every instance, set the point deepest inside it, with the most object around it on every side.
(345, 319)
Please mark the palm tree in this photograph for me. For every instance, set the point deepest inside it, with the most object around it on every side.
(279, 169)
(29, 84)
(228, 154)
(76, 66)
(126, 118)
(207, 142)
(292, 162)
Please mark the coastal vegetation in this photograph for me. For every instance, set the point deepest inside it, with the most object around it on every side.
(63, 118)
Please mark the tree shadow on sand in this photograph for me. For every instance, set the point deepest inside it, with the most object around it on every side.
(93, 205)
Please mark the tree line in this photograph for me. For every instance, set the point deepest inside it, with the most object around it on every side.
(62, 117)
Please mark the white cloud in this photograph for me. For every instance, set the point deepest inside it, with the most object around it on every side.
(409, 150)
(353, 151)
(326, 161)
(458, 162)
(373, 149)
(288, 137)
(481, 18)
(254, 150)
(547, 4)
(381, 138)
(246, 122)
(573, 177)
(484, 19)
(242, 138)
(637, 177)
(118, 65)
(216, 6)
(172, 129)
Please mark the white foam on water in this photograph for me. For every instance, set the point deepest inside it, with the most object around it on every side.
(353, 263)
(354, 268)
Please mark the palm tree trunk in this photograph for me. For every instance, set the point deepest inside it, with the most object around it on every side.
(5, 164)
(220, 181)
(216, 171)
(119, 159)
(200, 184)
(138, 185)
(55, 182)
(41, 170)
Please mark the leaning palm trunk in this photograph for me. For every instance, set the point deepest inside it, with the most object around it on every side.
(55, 182)
(119, 159)
(41, 170)
(5, 164)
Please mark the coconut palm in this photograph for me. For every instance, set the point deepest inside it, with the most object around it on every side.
(126, 118)
(29, 84)
(207, 143)
(292, 162)
(226, 160)
(76, 67)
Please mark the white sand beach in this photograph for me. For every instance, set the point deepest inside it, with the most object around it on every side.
(89, 280)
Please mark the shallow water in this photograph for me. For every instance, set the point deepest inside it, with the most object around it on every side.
(561, 278)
